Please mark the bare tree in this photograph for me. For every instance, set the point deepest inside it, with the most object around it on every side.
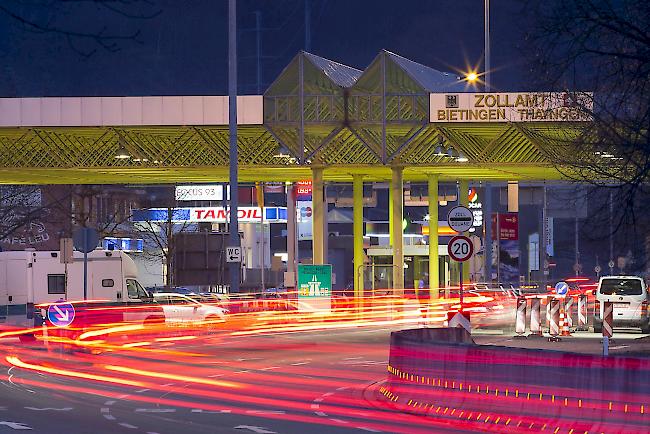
(599, 46)
(159, 239)
(84, 36)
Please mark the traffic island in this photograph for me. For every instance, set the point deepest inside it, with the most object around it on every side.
(442, 372)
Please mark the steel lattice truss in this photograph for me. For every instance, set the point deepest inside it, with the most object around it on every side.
(320, 113)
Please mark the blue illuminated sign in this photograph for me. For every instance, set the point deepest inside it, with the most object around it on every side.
(60, 315)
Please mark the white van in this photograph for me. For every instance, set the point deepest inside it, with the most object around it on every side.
(30, 277)
(629, 294)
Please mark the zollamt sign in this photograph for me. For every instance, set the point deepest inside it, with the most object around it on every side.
(511, 107)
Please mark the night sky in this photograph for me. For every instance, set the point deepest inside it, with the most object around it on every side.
(182, 48)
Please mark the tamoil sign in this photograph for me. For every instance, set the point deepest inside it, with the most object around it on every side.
(314, 281)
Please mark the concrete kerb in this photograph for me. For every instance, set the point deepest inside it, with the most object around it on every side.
(431, 370)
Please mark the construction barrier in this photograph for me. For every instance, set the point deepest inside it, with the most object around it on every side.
(608, 319)
(583, 319)
(520, 318)
(554, 318)
(568, 311)
(564, 319)
(535, 317)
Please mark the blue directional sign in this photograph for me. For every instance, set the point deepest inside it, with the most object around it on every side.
(60, 315)
(561, 288)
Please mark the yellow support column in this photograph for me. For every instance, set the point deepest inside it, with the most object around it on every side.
(318, 218)
(463, 191)
(397, 187)
(357, 219)
(434, 269)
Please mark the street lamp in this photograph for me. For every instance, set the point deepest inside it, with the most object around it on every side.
(471, 77)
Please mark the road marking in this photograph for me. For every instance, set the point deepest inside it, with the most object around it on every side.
(352, 358)
(127, 425)
(299, 363)
(126, 396)
(255, 429)
(367, 429)
(338, 420)
(320, 413)
(155, 410)
(109, 402)
(142, 390)
(318, 400)
(242, 371)
(15, 425)
(164, 385)
(328, 394)
(49, 409)
(104, 410)
(270, 367)
(215, 375)
(342, 388)
(109, 417)
(266, 412)
(199, 410)
(618, 347)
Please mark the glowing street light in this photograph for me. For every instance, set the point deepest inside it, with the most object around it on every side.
(471, 77)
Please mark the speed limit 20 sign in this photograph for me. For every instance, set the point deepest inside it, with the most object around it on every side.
(460, 248)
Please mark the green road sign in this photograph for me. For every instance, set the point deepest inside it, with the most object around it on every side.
(314, 281)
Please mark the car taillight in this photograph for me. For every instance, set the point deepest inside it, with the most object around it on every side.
(644, 308)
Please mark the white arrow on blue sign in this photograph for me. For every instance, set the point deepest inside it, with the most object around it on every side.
(60, 315)
(561, 288)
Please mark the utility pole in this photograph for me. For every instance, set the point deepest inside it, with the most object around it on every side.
(611, 233)
(486, 40)
(487, 219)
(308, 25)
(235, 267)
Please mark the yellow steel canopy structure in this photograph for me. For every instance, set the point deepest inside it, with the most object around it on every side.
(317, 113)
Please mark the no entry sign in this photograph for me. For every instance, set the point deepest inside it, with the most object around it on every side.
(460, 248)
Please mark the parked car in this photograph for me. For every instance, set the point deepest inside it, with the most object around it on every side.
(629, 295)
(180, 309)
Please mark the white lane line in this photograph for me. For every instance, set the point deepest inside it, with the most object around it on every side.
(16, 425)
(127, 425)
(142, 390)
(270, 367)
(109, 417)
(618, 347)
(155, 410)
(342, 388)
(315, 406)
(328, 394)
(266, 412)
(49, 409)
(215, 375)
(242, 371)
(109, 403)
(299, 363)
(353, 358)
(367, 429)
(122, 396)
(320, 413)
(199, 410)
(338, 420)
(164, 385)
(318, 400)
(152, 432)
(104, 410)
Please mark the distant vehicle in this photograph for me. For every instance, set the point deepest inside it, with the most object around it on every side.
(183, 309)
(29, 278)
(629, 294)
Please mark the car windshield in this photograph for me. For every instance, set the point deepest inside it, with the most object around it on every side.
(621, 287)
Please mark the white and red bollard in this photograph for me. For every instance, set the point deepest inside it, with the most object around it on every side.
(554, 320)
(520, 318)
(583, 316)
(608, 325)
(535, 317)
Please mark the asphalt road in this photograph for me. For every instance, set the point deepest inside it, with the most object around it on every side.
(320, 381)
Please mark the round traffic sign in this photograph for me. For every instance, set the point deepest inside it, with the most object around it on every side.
(85, 239)
(460, 248)
(460, 219)
(611, 264)
(597, 269)
(60, 314)
(561, 288)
